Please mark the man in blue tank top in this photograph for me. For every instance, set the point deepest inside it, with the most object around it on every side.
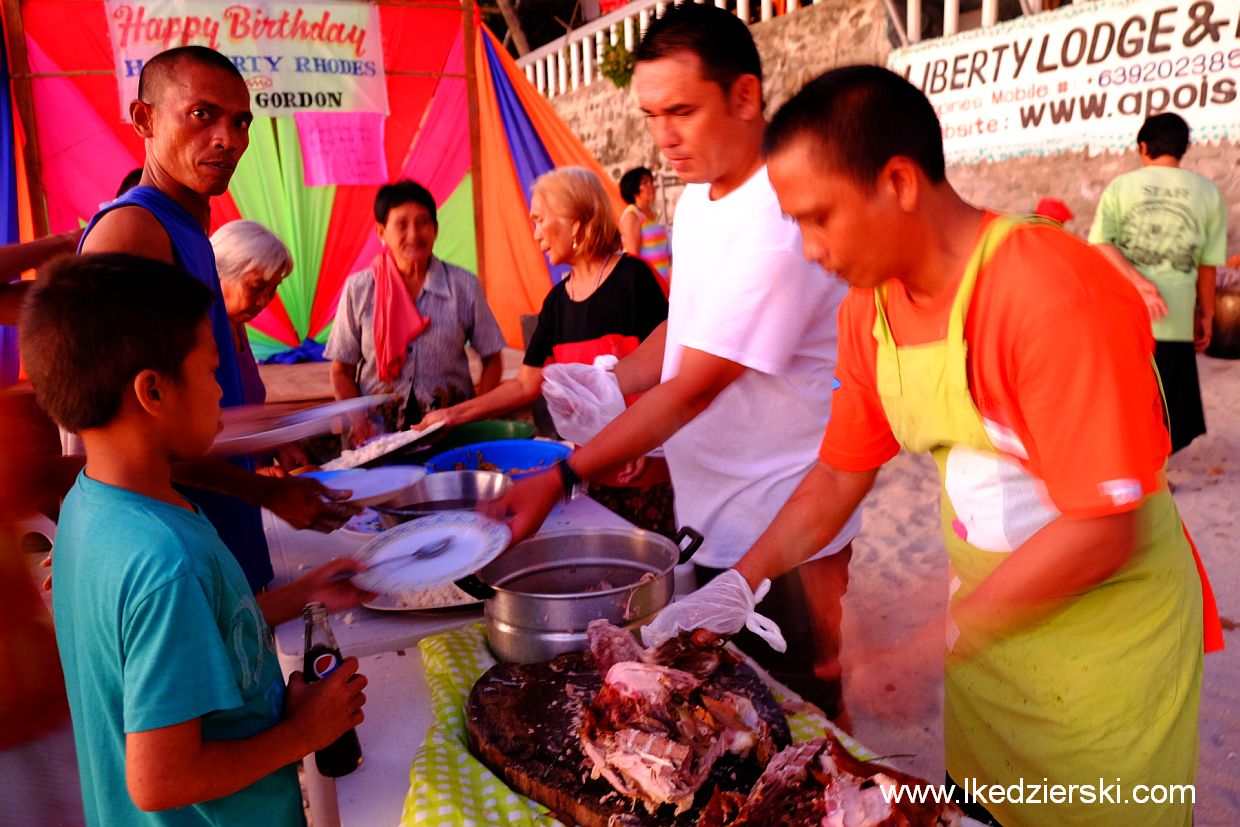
(193, 113)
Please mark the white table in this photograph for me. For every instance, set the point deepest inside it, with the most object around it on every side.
(397, 698)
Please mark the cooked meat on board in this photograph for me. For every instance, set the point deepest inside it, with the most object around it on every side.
(684, 734)
(524, 721)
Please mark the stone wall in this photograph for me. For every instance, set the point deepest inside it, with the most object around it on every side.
(800, 46)
(1078, 179)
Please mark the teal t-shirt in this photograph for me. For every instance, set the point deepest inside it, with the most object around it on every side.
(156, 626)
(1167, 221)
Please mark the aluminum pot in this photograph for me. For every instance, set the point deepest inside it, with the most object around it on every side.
(444, 491)
(543, 592)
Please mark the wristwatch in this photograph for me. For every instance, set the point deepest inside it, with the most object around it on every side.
(568, 478)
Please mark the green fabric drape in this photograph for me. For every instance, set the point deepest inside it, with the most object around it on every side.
(264, 345)
(269, 187)
(457, 241)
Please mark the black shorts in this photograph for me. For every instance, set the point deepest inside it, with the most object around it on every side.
(1177, 367)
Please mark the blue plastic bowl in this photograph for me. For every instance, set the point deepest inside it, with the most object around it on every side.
(518, 458)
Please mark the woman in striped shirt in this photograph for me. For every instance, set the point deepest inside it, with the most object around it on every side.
(641, 234)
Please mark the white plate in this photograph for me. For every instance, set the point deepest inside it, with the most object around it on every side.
(377, 446)
(253, 428)
(371, 486)
(439, 598)
(476, 541)
(366, 523)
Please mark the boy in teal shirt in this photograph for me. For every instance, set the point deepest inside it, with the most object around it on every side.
(1166, 228)
(179, 711)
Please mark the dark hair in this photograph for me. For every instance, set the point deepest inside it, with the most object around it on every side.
(631, 182)
(92, 323)
(391, 196)
(156, 70)
(129, 181)
(719, 39)
(861, 117)
(1165, 134)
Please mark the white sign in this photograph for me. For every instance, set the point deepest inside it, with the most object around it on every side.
(1082, 77)
(295, 57)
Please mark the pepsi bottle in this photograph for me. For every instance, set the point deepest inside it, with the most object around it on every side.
(322, 658)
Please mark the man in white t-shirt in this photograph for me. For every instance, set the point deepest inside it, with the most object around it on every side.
(738, 381)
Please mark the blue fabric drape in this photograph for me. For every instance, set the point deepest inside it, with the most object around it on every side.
(529, 156)
(8, 209)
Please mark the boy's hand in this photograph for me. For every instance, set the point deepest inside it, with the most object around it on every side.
(329, 584)
(328, 708)
(306, 503)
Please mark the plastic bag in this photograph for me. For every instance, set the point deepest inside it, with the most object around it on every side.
(582, 399)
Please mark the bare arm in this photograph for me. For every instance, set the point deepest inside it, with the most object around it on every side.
(513, 394)
(1148, 290)
(811, 518)
(299, 501)
(631, 233)
(327, 584)
(641, 370)
(344, 386)
(1206, 281)
(1065, 559)
(222, 477)
(16, 259)
(130, 230)
(492, 372)
(659, 414)
(175, 766)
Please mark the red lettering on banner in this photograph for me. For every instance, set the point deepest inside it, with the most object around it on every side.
(251, 24)
(135, 28)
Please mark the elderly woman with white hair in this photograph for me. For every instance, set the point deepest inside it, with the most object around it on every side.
(251, 262)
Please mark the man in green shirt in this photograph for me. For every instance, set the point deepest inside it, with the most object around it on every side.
(1166, 228)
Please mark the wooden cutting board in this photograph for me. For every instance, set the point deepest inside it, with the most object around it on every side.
(521, 722)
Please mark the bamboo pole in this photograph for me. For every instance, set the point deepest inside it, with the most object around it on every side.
(23, 98)
(470, 35)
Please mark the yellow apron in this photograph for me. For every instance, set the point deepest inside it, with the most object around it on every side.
(1105, 690)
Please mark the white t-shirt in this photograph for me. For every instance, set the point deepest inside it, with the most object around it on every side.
(743, 291)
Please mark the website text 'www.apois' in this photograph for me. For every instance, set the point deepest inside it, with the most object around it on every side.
(1103, 792)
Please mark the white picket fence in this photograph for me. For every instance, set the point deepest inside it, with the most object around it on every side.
(574, 60)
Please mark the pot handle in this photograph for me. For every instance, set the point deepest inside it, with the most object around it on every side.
(472, 586)
(695, 542)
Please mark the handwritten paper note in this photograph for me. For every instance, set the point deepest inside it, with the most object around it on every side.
(342, 148)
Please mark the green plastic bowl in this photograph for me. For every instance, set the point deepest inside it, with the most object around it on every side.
(485, 430)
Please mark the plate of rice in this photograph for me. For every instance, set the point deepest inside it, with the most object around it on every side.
(436, 598)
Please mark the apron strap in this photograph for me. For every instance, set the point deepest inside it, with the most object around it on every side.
(992, 238)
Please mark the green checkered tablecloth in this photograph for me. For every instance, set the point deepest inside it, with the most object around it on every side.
(448, 787)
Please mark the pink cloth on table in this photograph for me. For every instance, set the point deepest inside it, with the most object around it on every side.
(397, 320)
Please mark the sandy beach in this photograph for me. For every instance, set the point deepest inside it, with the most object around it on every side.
(899, 581)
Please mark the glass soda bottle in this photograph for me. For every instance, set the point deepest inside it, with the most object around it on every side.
(321, 659)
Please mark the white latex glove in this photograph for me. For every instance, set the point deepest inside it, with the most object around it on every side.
(725, 605)
(582, 399)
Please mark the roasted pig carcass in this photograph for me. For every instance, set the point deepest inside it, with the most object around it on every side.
(820, 783)
(654, 731)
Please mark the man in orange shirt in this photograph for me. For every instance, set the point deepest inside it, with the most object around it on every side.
(1075, 633)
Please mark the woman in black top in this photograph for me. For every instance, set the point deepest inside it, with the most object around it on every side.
(607, 304)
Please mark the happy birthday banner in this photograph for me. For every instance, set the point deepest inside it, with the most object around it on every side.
(1082, 77)
(295, 57)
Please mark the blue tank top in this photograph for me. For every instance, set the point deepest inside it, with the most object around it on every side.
(240, 525)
